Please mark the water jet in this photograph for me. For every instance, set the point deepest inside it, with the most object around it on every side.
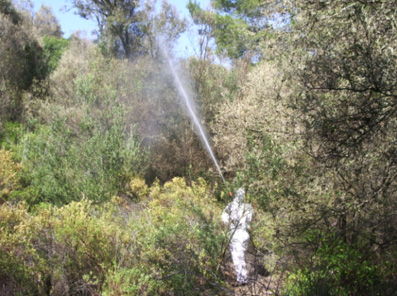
(188, 101)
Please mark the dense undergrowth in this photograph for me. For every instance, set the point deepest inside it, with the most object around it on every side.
(169, 242)
(106, 190)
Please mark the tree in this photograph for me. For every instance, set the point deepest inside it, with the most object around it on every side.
(8, 9)
(129, 29)
(349, 107)
(344, 64)
(21, 60)
(119, 24)
(165, 25)
(54, 48)
(46, 23)
(239, 28)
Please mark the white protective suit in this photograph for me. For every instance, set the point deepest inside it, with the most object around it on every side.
(238, 216)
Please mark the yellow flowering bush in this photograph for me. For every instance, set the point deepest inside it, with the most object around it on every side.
(9, 179)
(139, 189)
(168, 244)
(181, 235)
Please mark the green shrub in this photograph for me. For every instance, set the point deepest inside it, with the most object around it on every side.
(63, 166)
(53, 49)
(335, 268)
(129, 281)
(66, 250)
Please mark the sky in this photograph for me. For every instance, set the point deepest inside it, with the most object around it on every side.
(70, 22)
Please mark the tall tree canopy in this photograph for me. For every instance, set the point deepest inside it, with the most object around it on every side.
(46, 23)
(240, 28)
(21, 60)
(126, 28)
(118, 22)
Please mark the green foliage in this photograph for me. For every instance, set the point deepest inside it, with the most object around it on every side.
(348, 108)
(304, 118)
(266, 166)
(162, 122)
(10, 136)
(86, 147)
(142, 90)
(21, 268)
(127, 29)
(182, 237)
(335, 269)
(53, 49)
(237, 33)
(240, 7)
(128, 281)
(95, 163)
(334, 171)
(230, 36)
(165, 24)
(57, 249)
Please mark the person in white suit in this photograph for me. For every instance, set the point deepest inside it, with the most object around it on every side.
(238, 216)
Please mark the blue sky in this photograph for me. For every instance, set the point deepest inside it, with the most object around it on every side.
(70, 22)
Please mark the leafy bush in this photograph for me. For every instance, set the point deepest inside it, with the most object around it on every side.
(139, 189)
(129, 281)
(63, 166)
(180, 234)
(9, 175)
(258, 115)
(85, 146)
(22, 270)
(53, 49)
(335, 269)
(65, 250)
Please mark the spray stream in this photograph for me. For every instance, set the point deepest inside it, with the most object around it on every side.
(189, 104)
